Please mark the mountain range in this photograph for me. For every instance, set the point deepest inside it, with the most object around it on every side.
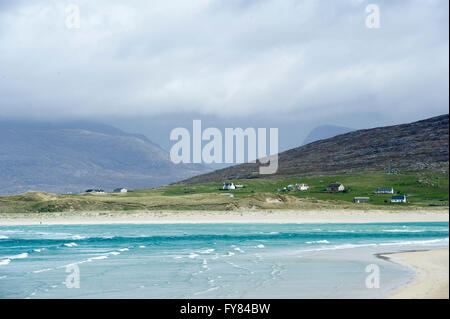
(75, 156)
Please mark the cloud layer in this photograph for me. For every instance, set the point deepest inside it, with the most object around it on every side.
(222, 58)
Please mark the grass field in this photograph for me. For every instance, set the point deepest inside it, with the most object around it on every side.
(424, 189)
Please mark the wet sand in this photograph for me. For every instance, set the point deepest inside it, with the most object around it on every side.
(432, 274)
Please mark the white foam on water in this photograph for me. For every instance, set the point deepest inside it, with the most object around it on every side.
(71, 245)
(192, 255)
(78, 237)
(142, 246)
(230, 253)
(19, 256)
(123, 249)
(397, 243)
(318, 242)
(3, 237)
(91, 259)
(260, 246)
(3, 277)
(338, 247)
(416, 242)
(5, 262)
(403, 231)
(115, 253)
(37, 250)
(341, 231)
(8, 259)
(42, 270)
(206, 251)
(98, 258)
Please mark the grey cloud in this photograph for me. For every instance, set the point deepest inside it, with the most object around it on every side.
(223, 58)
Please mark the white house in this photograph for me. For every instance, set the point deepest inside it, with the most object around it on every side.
(384, 190)
(336, 187)
(302, 187)
(120, 190)
(228, 186)
(398, 199)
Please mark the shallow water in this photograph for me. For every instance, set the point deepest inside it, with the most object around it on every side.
(208, 260)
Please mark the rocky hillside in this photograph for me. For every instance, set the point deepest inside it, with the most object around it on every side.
(418, 145)
(325, 131)
(72, 157)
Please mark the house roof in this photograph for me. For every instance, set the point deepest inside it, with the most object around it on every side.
(335, 185)
(398, 197)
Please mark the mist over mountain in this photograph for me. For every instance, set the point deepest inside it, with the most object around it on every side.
(413, 146)
(325, 131)
(75, 156)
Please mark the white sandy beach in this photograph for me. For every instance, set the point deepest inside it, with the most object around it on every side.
(248, 216)
(432, 274)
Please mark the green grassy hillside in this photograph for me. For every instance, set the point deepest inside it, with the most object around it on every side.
(422, 189)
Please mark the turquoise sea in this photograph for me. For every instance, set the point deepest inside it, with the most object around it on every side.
(208, 260)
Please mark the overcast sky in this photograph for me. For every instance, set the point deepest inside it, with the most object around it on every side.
(295, 63)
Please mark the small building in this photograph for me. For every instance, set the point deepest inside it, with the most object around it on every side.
(302, 187)
(361, 200)
(239, 186)
(398, 199)
(120, 190)
(336, 187)
(384, 190)
(228, 186)
(95, 191)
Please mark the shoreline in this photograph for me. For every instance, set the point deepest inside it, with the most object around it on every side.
(431, 279)
(212, 217)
